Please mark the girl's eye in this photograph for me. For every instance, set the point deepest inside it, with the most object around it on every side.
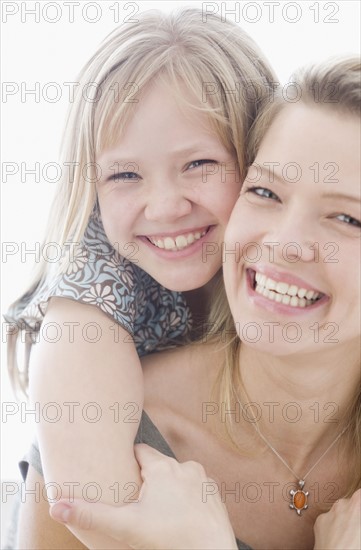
(124, 176)
(348, 220)
(263, 192)
(197, 163)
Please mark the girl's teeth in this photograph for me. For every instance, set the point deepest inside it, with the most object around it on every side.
(169, 243)
(284, 293)
(180, 242)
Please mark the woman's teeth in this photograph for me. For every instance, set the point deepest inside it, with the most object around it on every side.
(179, 242)
(290, 295)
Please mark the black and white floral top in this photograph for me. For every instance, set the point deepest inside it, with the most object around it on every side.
(98, 275)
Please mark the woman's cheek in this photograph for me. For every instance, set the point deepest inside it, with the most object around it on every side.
(240, 226)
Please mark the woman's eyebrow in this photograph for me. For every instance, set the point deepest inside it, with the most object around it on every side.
(269, 172)
(272, 175)
(349, 198)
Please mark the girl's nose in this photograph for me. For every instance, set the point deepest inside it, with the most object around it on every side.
(166, 203)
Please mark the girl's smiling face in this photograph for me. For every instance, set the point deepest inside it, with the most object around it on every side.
(167, 190)
(292, 245)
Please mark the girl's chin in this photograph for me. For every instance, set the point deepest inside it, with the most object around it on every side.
(180, 280)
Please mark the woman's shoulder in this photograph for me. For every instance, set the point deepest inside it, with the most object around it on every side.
(181, 359)
(188, 370)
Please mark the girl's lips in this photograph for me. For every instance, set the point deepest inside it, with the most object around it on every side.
(279, 307)
(178, 242)
(184, 252)
(174, 234)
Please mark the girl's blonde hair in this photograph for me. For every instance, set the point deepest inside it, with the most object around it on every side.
(333, 85)
(216, 61)
(184, 51)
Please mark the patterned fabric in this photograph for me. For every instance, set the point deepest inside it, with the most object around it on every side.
(96, 274)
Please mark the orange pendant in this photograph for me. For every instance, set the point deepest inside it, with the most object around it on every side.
(299, 498)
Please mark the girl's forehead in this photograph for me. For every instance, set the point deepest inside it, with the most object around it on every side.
(158, 107)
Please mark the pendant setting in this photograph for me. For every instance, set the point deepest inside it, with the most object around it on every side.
(299, 498)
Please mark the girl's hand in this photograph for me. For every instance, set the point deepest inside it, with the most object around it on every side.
(340, 528)
(174, 509)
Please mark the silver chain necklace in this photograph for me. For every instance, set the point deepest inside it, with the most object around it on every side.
(298, 496)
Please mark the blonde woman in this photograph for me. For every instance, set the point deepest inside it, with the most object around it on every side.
(270, 405)
(156, 143)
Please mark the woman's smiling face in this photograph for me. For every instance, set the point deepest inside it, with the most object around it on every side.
(292, 245)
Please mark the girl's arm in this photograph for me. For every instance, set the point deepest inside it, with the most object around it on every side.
(36, 529)
(340, 528)
(174, 511)
(88, 386)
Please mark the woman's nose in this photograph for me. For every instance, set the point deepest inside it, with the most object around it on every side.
(292, 241)
(166, 203)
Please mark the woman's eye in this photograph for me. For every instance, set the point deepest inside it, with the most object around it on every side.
(348, 220)
(263, 192)
(197, 163)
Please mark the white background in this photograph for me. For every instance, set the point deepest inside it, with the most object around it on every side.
(47, 52)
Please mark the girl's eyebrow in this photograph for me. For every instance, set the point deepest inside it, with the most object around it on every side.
(196, 148)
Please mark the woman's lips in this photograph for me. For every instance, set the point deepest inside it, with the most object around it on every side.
(279, 294)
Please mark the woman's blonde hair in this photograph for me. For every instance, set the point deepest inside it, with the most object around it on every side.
(336, 85)
(215, 60)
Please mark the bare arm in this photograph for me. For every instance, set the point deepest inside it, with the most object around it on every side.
(340, 528)
(94, 390)
(172, 512)
(36, 528)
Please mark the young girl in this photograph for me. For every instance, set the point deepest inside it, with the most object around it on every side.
(155, 139)
(272, 415)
